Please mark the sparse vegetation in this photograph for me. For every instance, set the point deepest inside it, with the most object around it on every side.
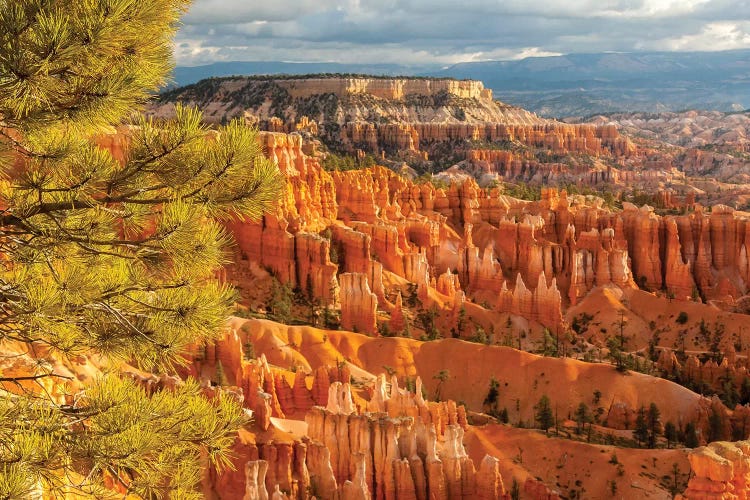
(281, 301)
(491, 400)
(248, 350)
(441, 377)
(544, 416)
(682, 318)
(333, 161)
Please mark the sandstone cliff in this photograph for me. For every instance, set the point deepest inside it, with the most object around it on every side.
(529, 259)
(720, 470)
(421, 120)
(368, 243)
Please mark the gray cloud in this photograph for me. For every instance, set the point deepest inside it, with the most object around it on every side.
(449, 31)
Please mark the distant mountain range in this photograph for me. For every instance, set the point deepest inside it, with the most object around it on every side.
(569, 85)
(581, 84)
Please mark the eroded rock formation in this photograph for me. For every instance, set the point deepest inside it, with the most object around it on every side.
(531, 259)
(720, 470)
(390, 118)
(403, 447)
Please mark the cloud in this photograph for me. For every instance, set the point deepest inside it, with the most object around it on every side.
(448, 31)
(243, 11)
(712, 36)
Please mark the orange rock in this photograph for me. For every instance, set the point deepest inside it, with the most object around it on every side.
(284, 394)
(255, 480)
(358, 304)
(321, 385)
(397, 322)
(719, 470)
(301, 395)
(538, 491)
(489, 483)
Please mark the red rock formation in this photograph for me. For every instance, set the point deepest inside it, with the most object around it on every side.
(406, 448)
(544, 304)
(396, 445)
(308, 203)
(358, 304)
(720, 470)
(557, 137)
(538, 490)
(641, 231)
(397, 322)
(381, 223)
(302, 396)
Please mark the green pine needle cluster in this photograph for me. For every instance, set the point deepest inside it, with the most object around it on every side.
(115, 257)
(147, 445)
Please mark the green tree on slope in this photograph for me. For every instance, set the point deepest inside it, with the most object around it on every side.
(544, 414)
(106, 257)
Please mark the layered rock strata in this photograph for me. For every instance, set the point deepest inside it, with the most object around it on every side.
(720, 470)
(403, 447)
(536, 257)
(412, 117)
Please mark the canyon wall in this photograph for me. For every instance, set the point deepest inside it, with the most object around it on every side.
(385, 88)
(334, 430)
(532, 259)
(558, 138)
(720, 470)
(421, 119)
(391, 443)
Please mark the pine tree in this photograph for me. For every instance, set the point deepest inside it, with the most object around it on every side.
(670, 433)
(654, 424)
(114, 256)
(248, 350)
(427, 319)
(461, 322)
(582, 417)
(675, 478)
(281, 301)
(691, 436)
(715, 426)
(544, 414)
(548, 345)
(515, 490)
(504, 418)
(597, 396)
(640, 433)
(490, 401)
(220, 377)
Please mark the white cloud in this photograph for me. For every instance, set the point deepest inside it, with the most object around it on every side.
(713, 36)
(244, 11)
(447, 31)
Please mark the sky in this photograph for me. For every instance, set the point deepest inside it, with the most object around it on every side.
(445, 32)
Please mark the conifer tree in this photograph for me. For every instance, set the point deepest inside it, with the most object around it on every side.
(248, 350)
(670, 433)
(544, 414)
(220, 377)
(504, 418)
(281, 301)
(640, 433)
(691, 436)
(490, 401)
(110, 255)
(654, 424)
(582, 417)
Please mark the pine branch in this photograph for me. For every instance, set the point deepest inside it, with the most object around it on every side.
(34, 377)
(108, 258)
